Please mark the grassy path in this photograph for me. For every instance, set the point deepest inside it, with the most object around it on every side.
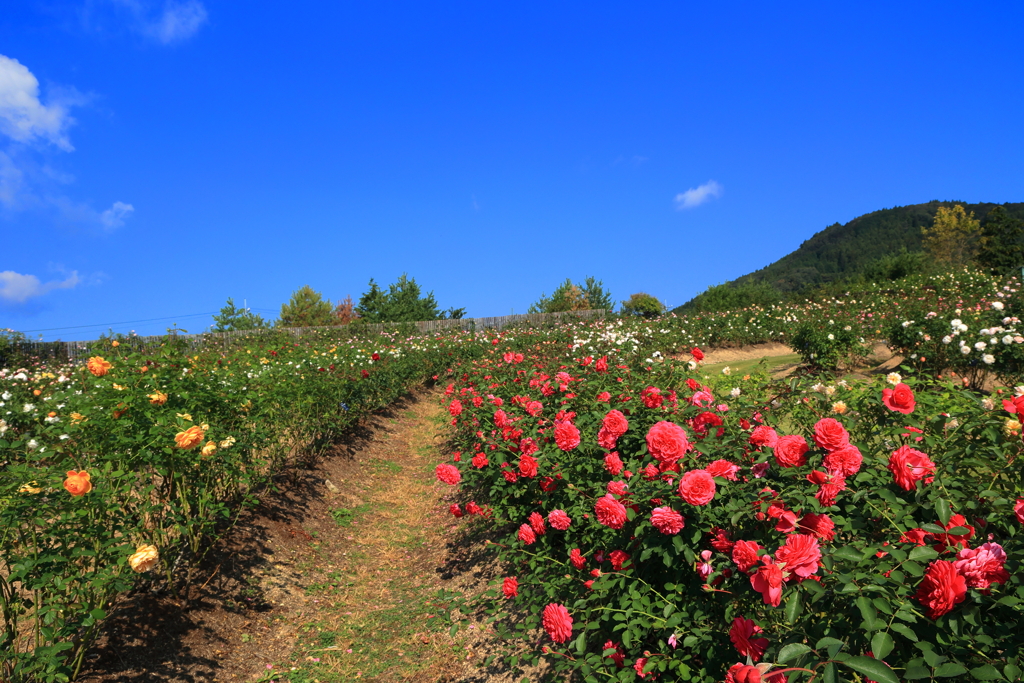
(372, 586)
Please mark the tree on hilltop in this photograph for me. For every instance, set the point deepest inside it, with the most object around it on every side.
(643, 305)
(1001, 250)
(307, 308)
(403, 301)
(569, 296)
(953, 237)
(233, 318)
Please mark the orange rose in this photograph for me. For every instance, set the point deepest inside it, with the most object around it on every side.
(115, 343)
(158, 399)
(190, 438)
(37, 392)
(78, 483)
(209, 449)
(98, 366)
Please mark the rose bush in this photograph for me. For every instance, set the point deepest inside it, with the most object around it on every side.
(863, 541)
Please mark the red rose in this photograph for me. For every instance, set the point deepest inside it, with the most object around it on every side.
(790, 450)
(909, 466)
(615, 423)
(799, 555)
(480, 460)
(455, 510)
(667, 442)
(510, 587)
(567, 436)
(557, 622)
(577, 558)
(721, 541)
(610, 512)
(821, 526)
(743, 673)
(941, 588)
(768, 581)
(845, 461)
(830, 434)
(763, 435)
(741, 634)
(666, 520)
(526, 534)
(455, 408)
(613, 464)
(618, 559)
(1018, 510)
(449, 474)
(723, 468)
(899, 399)
(559, 520)
(744, 554)
(697, 487)
(537, 523)
(651, 396)
(528, 466)
(697, 354)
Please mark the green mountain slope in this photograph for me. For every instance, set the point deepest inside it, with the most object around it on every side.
(842, 250)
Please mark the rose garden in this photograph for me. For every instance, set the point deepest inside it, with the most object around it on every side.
(653, 521)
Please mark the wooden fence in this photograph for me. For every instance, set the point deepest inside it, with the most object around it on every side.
(73, 350)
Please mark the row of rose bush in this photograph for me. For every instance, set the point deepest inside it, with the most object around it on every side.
(137, 462)
(656, 523)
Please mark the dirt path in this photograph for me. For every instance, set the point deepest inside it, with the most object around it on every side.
(333, 578)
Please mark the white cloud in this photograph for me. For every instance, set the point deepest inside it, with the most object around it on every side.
(113, 218)
(23, 117)
(18, 288)
(696, 196)
(179, 21)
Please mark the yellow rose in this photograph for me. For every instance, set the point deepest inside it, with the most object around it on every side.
(144, 558)
(76, 418)
(185, 416)
(158, 399)
(189, 438)
(1011, 428)
(31, 487)
(838, 407)
(228, 442)
(209, 449)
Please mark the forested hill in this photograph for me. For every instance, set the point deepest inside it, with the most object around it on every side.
(841, 251)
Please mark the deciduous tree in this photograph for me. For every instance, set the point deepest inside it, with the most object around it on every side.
(953, 237)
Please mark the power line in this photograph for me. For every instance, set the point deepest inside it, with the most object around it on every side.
(126, 322)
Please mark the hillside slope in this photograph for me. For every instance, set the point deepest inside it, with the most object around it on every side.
(841, 250)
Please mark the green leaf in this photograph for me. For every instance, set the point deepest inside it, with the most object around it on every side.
(581, 643)
(943, 510)
(791, 652)
(986, 672)
(1012, 672)
(867, 610)
(872, 668)
(826, 642)
(829, 674)
(848, 553)
(914, 673)
(881, 645)
(794, 605)
(950, 669)
(924, 552)
(933, 528)
(904, 631)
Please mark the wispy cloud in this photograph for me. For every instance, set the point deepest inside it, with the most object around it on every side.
(113, 218)
(173, 22)
(696, 196)
(23, 117)
(28, 126)
(17, 288)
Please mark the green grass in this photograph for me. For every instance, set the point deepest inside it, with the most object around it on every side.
(746, 367)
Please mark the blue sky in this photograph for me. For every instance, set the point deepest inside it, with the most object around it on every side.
(158, 157)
